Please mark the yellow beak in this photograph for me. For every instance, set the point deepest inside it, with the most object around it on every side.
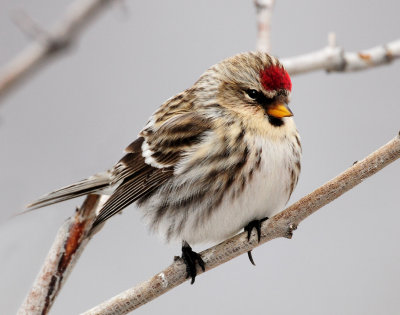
(279, 110)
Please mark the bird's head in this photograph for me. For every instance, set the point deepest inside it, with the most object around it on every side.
(254, 85)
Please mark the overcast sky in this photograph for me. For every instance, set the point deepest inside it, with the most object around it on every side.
(74, 118)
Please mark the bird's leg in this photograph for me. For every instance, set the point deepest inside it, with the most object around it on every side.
(255, 224)
(190, 258)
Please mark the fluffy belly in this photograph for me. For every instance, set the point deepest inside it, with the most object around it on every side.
(265, 194)
(269, 176)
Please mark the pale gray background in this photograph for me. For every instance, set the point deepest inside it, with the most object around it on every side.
(74, 118)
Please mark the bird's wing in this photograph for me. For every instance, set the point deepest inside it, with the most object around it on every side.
(150, 160)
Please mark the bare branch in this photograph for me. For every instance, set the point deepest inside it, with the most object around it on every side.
(74, 235)
(47, 44)
(264, 13)
(334, 58)
(69, 243)
(281, 225)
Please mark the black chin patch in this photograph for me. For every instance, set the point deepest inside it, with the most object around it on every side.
(276, 122)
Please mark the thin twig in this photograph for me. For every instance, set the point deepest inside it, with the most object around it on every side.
(281, 225)
(334, 58)
(48, 44)
(264, 14)
(69, 243)
(73, 237)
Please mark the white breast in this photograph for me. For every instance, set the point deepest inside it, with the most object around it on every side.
(265, 194)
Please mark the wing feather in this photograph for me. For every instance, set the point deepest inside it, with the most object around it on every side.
(150, 161)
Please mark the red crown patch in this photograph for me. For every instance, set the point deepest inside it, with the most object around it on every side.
(274, 78)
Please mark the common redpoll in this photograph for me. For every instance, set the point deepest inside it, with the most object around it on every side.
(221, 156)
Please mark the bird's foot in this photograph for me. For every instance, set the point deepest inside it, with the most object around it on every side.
(255, 224)
(190, 258)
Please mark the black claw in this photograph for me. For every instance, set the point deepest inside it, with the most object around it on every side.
(190, 258)
(251, 257)
(255, 224)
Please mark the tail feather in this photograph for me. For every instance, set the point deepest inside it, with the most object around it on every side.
(90, 185)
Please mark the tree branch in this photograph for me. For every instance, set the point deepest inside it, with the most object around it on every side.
(334, 58)
(71, 239)
(73, 235)
(48, 44)
(280, 225)
(264, 14)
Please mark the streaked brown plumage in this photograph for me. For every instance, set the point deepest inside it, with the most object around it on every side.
(210, 160)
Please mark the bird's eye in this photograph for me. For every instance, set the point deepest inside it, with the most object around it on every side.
(253, 93)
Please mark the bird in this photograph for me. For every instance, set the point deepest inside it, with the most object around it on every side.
(219, 157)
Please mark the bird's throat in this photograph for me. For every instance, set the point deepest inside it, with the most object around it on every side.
(274, 121)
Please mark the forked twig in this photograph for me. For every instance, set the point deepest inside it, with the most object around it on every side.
(47, 44)
(334, 59)
(73, 235)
